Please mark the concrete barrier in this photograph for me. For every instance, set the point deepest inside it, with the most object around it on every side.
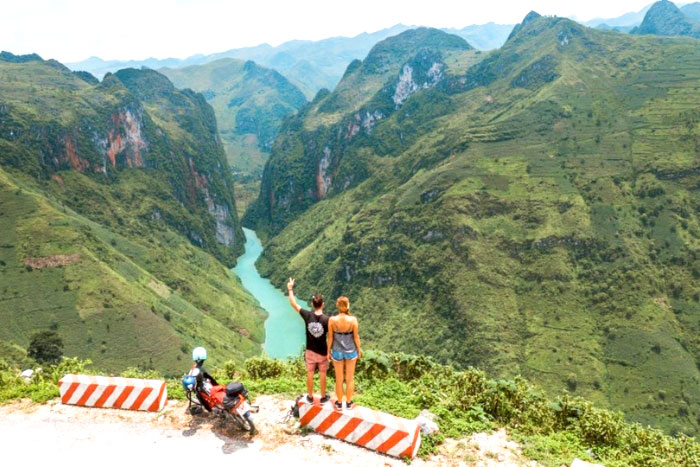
(110, 392)
(378, 431)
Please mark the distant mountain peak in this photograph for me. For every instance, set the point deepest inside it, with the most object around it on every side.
(403, 45)
(692, 11)
(664, 18)
(426, 37)
(529, 18)
(145, 82)
(10, 57)
(533, 15)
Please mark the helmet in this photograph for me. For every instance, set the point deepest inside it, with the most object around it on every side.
(199, 354)
(188, 382)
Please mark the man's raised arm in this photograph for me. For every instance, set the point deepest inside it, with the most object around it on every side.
(292, 299)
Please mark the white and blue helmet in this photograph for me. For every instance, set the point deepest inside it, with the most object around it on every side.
(189, 382)
(199, 354)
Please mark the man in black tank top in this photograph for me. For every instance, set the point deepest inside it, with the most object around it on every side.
(316, 355)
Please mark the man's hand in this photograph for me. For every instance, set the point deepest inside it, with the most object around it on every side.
(292, 298)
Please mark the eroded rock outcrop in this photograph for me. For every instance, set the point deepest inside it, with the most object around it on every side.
(126, 137)
(409, 84)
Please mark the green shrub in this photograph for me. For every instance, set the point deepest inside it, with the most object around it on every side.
(67, 366)
(263, 368)
(175, 389)
(140, 373)
(373, 365)
(600, 427)
(230, 369)
(43, 386)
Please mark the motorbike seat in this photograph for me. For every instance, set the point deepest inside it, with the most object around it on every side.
(234, 389)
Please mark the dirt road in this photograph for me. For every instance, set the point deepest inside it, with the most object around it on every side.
(55, 434)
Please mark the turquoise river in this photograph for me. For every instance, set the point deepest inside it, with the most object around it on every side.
(284, 328)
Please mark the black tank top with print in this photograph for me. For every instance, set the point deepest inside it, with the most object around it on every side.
(316, 330)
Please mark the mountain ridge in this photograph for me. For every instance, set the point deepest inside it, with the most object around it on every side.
(310, 65)
(249, 101)
(533, 208)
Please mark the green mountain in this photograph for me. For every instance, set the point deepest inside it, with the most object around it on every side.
(312, 65)
(116, 213)
(249, 101)
(665, 19)
(691, 10)
(529, 211)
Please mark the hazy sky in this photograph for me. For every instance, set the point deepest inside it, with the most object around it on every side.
(71, 30)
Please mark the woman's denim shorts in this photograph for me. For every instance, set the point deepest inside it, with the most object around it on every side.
(340, 356)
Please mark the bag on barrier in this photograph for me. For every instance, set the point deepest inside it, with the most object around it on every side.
(294, 410)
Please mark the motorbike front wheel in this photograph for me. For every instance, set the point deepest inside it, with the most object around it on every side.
(244, 423)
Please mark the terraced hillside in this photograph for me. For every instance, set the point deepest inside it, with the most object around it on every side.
(249, 101)
(529, 211)
(117, 218)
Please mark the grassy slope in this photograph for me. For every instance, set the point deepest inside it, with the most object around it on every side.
(133, 300)
(250, 103)
(142, 293)
(535, 214)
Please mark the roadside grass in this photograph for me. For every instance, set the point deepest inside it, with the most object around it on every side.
(552, 430)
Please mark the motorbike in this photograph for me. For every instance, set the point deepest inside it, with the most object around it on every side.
(229, 402)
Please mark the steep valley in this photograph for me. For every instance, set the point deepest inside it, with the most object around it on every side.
(530, 211)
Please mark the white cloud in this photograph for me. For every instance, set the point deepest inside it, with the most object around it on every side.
(71, 30)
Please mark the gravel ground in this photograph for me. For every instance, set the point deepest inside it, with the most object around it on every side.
(67, 435)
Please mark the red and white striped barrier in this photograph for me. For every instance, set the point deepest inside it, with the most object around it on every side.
(110, 392)
(364, 427)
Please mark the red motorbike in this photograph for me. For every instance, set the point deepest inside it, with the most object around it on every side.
(229, 402)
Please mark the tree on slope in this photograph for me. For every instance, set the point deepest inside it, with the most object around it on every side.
(46, 347)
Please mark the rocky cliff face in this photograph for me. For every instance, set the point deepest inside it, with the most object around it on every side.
(416, 75)
(122, 145)
(132, 120)
(394, 70)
